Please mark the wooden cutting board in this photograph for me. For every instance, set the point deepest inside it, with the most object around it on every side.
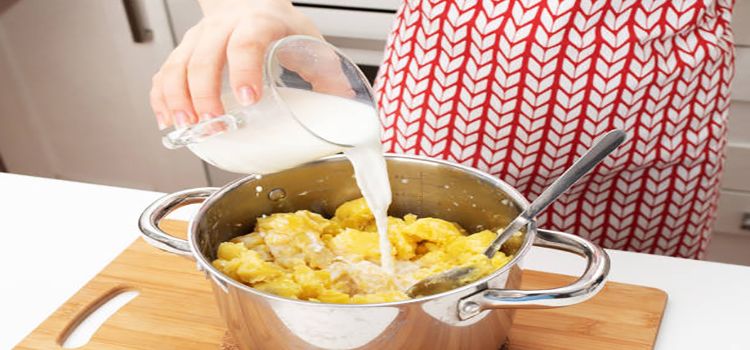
(175, 310)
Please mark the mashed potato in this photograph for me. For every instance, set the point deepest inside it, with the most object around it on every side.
(303, 255)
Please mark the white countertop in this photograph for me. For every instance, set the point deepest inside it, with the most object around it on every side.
(57, 235)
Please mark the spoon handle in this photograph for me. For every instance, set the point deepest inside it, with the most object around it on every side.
(583, 165)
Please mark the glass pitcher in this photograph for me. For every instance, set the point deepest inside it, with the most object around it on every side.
(315, 102)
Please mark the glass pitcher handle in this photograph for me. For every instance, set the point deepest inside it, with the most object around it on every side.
(200, 131)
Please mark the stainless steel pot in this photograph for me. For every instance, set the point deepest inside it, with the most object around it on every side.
(477, 316)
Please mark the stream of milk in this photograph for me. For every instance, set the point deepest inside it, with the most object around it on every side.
(345, 121)
(372, 179)
(271, 140)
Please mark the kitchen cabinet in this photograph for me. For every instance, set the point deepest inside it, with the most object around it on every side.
(742, 74)
(740, 24)
(74, 95)
(731, 240)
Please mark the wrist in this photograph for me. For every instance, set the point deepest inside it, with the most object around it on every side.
(210, 6)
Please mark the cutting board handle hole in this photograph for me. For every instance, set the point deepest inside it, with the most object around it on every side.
(84, 325)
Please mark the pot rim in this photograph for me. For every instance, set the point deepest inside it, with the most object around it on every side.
(519, 199)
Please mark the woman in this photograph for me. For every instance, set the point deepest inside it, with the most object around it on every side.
(521, 88)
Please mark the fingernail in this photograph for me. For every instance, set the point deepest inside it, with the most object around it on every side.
(181, 119)
(206, 116)
(160, 121)
(247, 95)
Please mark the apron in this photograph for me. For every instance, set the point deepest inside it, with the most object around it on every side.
(522, 88)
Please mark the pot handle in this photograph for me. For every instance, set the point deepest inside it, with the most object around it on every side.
(149, 221)
(592, 280)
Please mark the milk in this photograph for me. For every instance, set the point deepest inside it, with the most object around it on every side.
(269, 139)
(372, 179)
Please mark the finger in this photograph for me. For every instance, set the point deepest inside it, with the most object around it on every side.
(204, 70)
(245, 52)
(174, 80)
(331, 79)
(159, 106)
(320, 65)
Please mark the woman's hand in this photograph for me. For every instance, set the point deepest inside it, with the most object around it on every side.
(235, 32)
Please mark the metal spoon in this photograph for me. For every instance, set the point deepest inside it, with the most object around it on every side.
(460, 276)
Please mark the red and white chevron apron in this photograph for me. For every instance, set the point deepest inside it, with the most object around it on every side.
(521, 88)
